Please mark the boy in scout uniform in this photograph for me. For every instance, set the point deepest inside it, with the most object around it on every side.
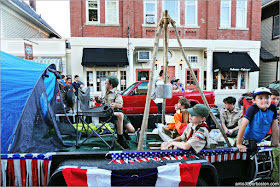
(196, 135)
(230, 117)
(114, 99)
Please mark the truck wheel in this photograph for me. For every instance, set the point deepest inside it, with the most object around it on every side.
(201, 182)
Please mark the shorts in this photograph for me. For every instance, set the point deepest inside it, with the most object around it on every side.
(115, 119)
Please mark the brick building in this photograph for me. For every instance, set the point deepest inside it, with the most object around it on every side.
(218, 37)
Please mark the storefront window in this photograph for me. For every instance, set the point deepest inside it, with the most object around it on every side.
(123, 80)
(142, 74)
(215, 80)
(101, 79)
(242, 79)
(90, 80)
(230, 80)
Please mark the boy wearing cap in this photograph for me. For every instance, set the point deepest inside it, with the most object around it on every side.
(114, 99)
(257, 120)
(196, 135)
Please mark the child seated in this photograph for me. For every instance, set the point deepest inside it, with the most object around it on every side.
(181, 117)
(230, 117)
(257, 120)
(196, 135)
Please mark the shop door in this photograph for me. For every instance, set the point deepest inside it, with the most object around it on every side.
(170, 71)
(142, 74)
(190, 84)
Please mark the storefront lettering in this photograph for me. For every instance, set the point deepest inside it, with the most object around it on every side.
(240, 69)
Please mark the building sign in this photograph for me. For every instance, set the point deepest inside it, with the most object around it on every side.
(28, 51)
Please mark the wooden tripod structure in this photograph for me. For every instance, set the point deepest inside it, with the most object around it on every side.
(164, 22)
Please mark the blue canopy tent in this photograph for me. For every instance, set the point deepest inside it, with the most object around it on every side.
(28, 99)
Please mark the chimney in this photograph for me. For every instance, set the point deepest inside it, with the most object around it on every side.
(32, 4)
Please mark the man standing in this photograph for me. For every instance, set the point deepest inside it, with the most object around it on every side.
(77, 84)
(114, 99)
(159, 101)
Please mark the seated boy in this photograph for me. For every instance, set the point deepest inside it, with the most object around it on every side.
(114, 99)
(181, 117)
(230, 117)
(196, 135)
(258, 119)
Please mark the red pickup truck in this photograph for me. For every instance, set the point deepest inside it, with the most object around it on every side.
(134, 99)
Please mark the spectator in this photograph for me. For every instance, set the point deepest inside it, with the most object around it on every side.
(173, 80)
(158, 101)
(230, 117)
(77, 84)
(178, 86)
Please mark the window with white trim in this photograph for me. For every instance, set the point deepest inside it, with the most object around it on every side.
(241, 13)
(93, 11)
(276, 27)
(193, 58)
(150, 12)
(225, 20)
(230, 80)
(173, 9)
(112, 12)
(191, 13)
(101, 78)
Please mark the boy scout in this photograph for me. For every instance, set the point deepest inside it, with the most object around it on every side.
(196, 135)
(230, 117)
(114, 99)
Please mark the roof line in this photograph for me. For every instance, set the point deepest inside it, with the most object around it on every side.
(269, 3)
(35, 19)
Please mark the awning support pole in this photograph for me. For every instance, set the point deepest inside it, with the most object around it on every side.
(197, 84)
(150, 85)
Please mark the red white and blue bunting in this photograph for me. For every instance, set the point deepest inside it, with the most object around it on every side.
(26, 169)
(211, 155)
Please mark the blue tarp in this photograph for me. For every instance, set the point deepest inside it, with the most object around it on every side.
(18, 78)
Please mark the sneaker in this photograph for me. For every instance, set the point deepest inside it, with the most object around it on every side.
(127, 137)
(122, 144)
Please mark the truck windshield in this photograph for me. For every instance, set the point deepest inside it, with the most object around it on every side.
(129, 88)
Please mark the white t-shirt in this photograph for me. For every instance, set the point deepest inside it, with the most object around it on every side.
(159, 82)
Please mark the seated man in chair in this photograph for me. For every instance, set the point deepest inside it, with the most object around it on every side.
(114, 99)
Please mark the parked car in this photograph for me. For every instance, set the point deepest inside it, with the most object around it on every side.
(275, 84)
(134, 99)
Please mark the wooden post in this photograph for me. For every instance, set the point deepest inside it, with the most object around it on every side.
(150, 85)
(165, 57)
(196, 82)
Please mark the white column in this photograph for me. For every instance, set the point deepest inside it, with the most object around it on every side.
(209, 75)
(130, 80)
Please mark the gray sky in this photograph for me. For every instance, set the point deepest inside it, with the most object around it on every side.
(56, 13)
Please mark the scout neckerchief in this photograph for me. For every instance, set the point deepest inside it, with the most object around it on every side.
(203, 124)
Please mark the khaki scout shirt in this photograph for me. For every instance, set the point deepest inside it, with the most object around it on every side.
(231, 119)
(199, 138)
(111, 96)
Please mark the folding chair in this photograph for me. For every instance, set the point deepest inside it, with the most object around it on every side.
(102, 111)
